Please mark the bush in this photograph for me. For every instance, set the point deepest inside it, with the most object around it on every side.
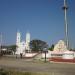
(2, 72)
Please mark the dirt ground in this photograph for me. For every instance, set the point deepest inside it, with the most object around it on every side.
(30, 65)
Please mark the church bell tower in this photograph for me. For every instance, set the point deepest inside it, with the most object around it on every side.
(18, 38)
(27, 41)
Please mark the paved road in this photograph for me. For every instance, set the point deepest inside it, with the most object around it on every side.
(35, 66)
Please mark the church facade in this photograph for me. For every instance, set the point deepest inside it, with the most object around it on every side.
(22, 46)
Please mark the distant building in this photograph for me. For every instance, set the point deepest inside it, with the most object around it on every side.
(22, 46)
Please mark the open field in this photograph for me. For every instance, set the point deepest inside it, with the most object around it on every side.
(33, 66)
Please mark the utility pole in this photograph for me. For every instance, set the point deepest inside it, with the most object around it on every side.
(0, 42)
(66, 24)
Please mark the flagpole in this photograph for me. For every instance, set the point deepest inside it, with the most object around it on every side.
(66, 24)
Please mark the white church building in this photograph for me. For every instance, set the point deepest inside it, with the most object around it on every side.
(22, 46)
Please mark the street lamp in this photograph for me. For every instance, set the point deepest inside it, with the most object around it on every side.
(45, 51)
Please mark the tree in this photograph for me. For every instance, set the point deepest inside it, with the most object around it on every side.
(38, 45)
(12, 48)
(52, 47)
(9, 49)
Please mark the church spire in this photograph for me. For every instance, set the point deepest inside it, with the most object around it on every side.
(27, 37)
(18, 38)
